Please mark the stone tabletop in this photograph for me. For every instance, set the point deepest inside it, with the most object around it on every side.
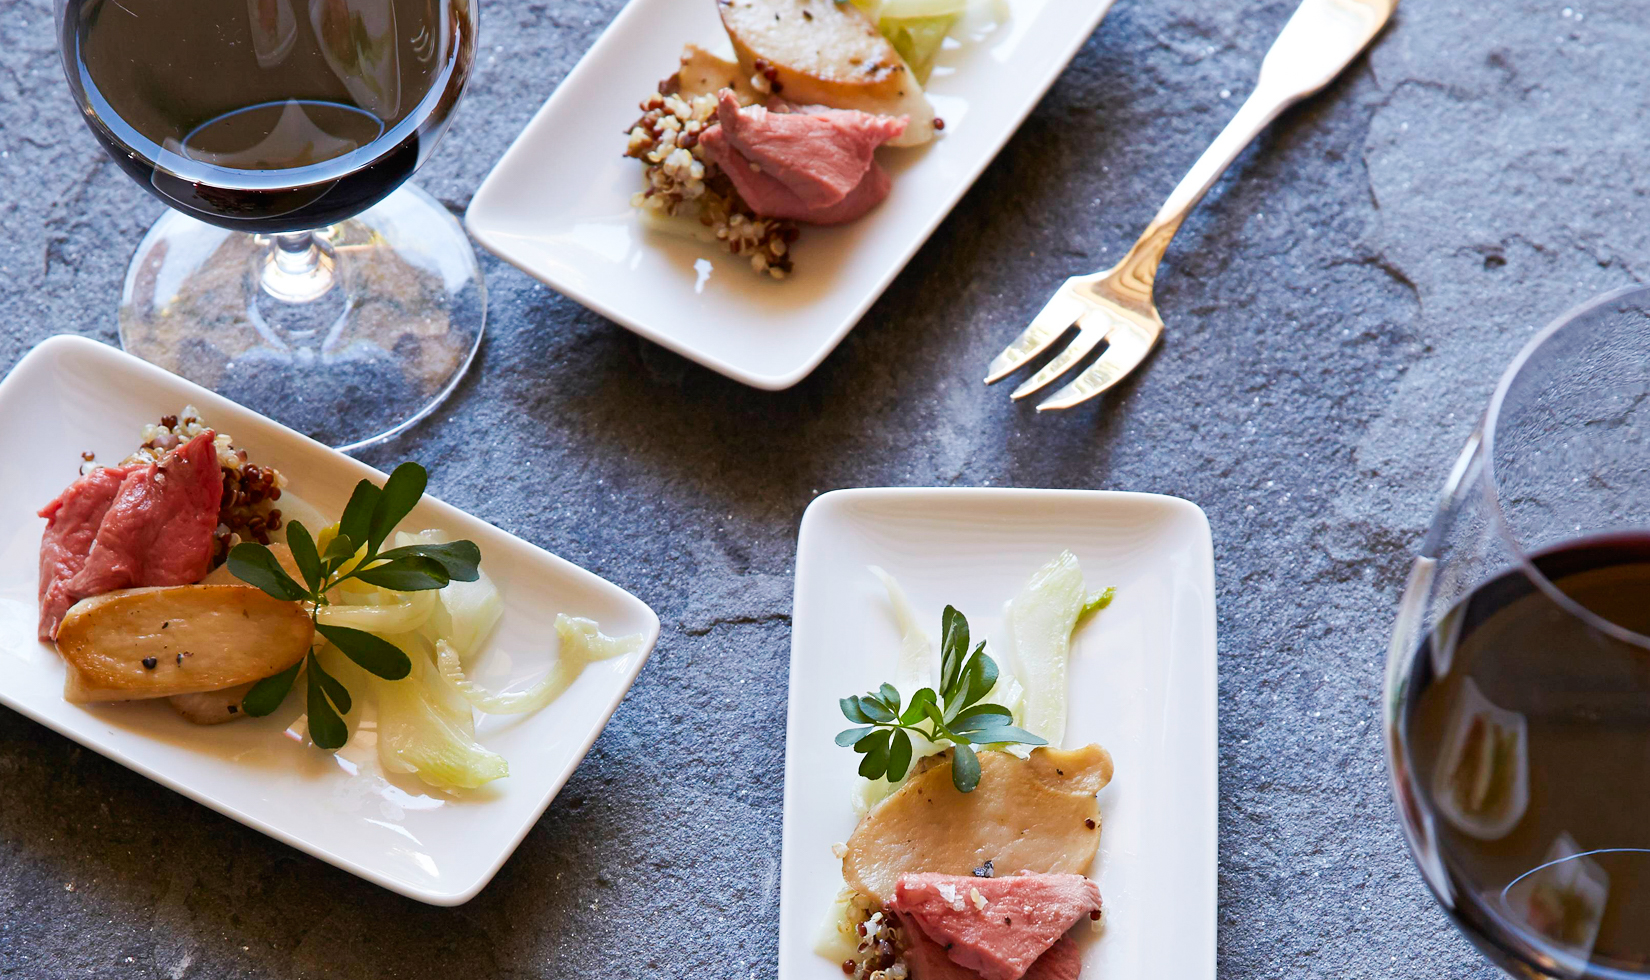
(1338, 310)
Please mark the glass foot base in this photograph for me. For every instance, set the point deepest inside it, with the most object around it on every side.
(350, 334)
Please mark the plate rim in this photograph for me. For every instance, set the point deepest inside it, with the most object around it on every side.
(1209, 628)
(495, 241)
(63, 345)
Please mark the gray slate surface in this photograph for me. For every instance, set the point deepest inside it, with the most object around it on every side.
(1339, 310)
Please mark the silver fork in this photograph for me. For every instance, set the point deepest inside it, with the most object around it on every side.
(1115, 306)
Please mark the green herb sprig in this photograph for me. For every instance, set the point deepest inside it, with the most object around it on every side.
(370, 516)
(954, 714)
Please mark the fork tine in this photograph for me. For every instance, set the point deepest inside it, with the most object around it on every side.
(1092, 329)
(1061, 311)
(1129, 344)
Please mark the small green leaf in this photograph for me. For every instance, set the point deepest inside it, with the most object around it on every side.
(326, 729)
(1002, 733)
(852, 711)
(398, 498)
(303, 554)
(461, 559)
(977, 680)
(914, 712)
(981, 716)
(356, 523)
(878, 711)
(256, 565)
(267, 694)
(965, 768)
(953, 648)
(868, 742)
(899, 755)
(938, 718)
(890, 697)
(410, 574)
(373, 654)
(340, 547)
(852, 735)
(330, 684)
(875, 762)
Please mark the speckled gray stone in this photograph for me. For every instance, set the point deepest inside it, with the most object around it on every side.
(1338, 312)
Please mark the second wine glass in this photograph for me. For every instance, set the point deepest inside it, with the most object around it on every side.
(1517, 706)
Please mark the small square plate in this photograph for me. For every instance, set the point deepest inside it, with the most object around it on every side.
(70, 395)
(1142, 684)
(557, 205)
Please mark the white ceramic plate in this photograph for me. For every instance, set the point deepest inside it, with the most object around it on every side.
(1142, 684)
(71, 394)
(558, 204)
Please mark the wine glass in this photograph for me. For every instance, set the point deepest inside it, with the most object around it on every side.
(1517, 701)
(291, 274)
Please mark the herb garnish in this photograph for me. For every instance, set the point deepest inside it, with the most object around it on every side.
(953, 715)
(369, 517)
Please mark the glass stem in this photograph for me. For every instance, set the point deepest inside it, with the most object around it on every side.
(297, 269)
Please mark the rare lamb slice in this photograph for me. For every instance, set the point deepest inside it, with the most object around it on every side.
(120, 527)
(926, 959)
(995, 927)
(72, 521)
(814, 164)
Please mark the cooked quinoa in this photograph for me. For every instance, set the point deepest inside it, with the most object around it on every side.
(247, 511)
(681, 182)
(879, 955)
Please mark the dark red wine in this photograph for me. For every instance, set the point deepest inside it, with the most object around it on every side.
(1525, 732)
(268, 115)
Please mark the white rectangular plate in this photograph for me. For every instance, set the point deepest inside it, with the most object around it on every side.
(69, 395)
(558, 204)
(1142, 684)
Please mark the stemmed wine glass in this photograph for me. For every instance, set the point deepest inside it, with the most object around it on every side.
(1517, 702)
(290, 273)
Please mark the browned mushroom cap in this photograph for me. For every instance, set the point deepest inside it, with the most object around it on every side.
(157, 642)
(1038, 815)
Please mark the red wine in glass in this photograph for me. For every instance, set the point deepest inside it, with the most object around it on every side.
(295, 273)
(1527, 736)
(268, 115)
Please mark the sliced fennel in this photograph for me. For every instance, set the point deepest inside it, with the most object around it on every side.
(583, 639)
(426, 721)
(916, 667)
(1041, 619)
(416, 736)
(908, 9)
(1096, 602)
(581, 644)
(379, 611)
(425, 728)
(467, 611)
(918, 40)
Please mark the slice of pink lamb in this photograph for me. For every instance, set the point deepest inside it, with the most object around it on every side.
(72, 521)
(926, 959)
(817, 165)
(1062, 961)
(156, 529)
(1003, 931)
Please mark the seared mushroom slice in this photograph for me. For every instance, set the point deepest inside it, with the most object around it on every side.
(827, 53)
(183, 639)
(1039, 815)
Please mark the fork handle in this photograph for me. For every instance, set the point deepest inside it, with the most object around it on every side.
(1320, 39)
